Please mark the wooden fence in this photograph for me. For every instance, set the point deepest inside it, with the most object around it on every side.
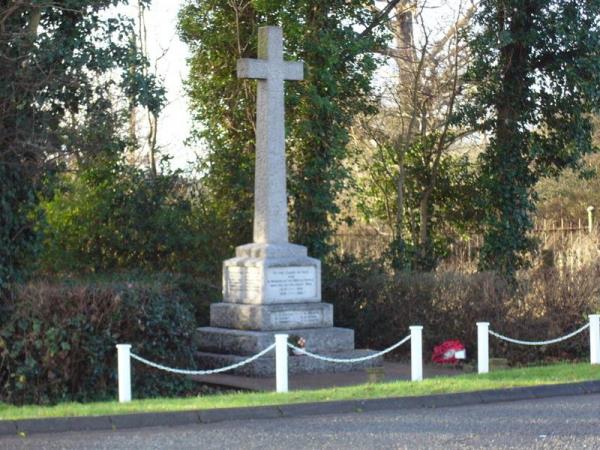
(562, 243)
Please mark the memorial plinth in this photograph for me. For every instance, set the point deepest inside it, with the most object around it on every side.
(272, 286)
(270, 274)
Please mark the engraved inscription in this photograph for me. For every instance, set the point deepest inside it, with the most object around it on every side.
(294, 318)
(291, 283)
(243, 282)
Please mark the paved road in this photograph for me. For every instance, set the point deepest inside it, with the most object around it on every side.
(555, 423)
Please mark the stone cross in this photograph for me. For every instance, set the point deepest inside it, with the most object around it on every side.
(270, 201)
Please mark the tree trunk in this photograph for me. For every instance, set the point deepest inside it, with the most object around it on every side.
(508, 173)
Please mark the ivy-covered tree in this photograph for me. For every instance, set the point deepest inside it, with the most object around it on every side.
(62, 63)
(536, 64)
(222, 108)
(319, 111)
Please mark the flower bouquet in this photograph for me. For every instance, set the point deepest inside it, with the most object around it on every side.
(449, 352)
(297, 341)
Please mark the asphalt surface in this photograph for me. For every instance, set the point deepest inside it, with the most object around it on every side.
(552, 423)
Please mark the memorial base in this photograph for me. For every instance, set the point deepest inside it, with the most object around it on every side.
(220, 347)
(271, 317)
(273, 289)
(263, 274)
(248, 343)
(265, 366)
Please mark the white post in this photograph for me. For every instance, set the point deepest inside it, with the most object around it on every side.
(281, 362)
(590, 211)
(416, 353)
(595, 338)
(483, 350)
(124, 372)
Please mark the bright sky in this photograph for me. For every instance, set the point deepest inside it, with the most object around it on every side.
(174, 122)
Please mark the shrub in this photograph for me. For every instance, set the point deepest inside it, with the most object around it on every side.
(114, 216)
(545, 304)
(58, 343)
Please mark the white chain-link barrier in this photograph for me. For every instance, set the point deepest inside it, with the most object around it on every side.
(349, 360)
(550, 341)
(203, 372)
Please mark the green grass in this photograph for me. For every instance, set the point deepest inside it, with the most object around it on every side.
(559, 373)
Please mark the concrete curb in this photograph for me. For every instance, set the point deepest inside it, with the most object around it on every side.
(142, 420)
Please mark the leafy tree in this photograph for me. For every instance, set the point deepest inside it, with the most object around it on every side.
(339, 68)
(536, 64)
(451, 210)
(61, 64)
(408, 167)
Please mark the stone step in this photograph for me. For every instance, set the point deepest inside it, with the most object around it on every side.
(247, 342)
(265, 366)
(271, 317)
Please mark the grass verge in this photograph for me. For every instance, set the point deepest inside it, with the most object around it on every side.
(531, 376)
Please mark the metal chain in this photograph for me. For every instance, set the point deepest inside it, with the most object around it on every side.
(550, 341)
(203, 372)
(349, 360)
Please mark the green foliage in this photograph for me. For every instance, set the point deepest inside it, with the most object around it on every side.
(222, 109)
(339, 70)
(319, 110)
(113, 216)
(455, 184)
(62, 62)
(18, 242)
(59, 341)
(537, 71)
